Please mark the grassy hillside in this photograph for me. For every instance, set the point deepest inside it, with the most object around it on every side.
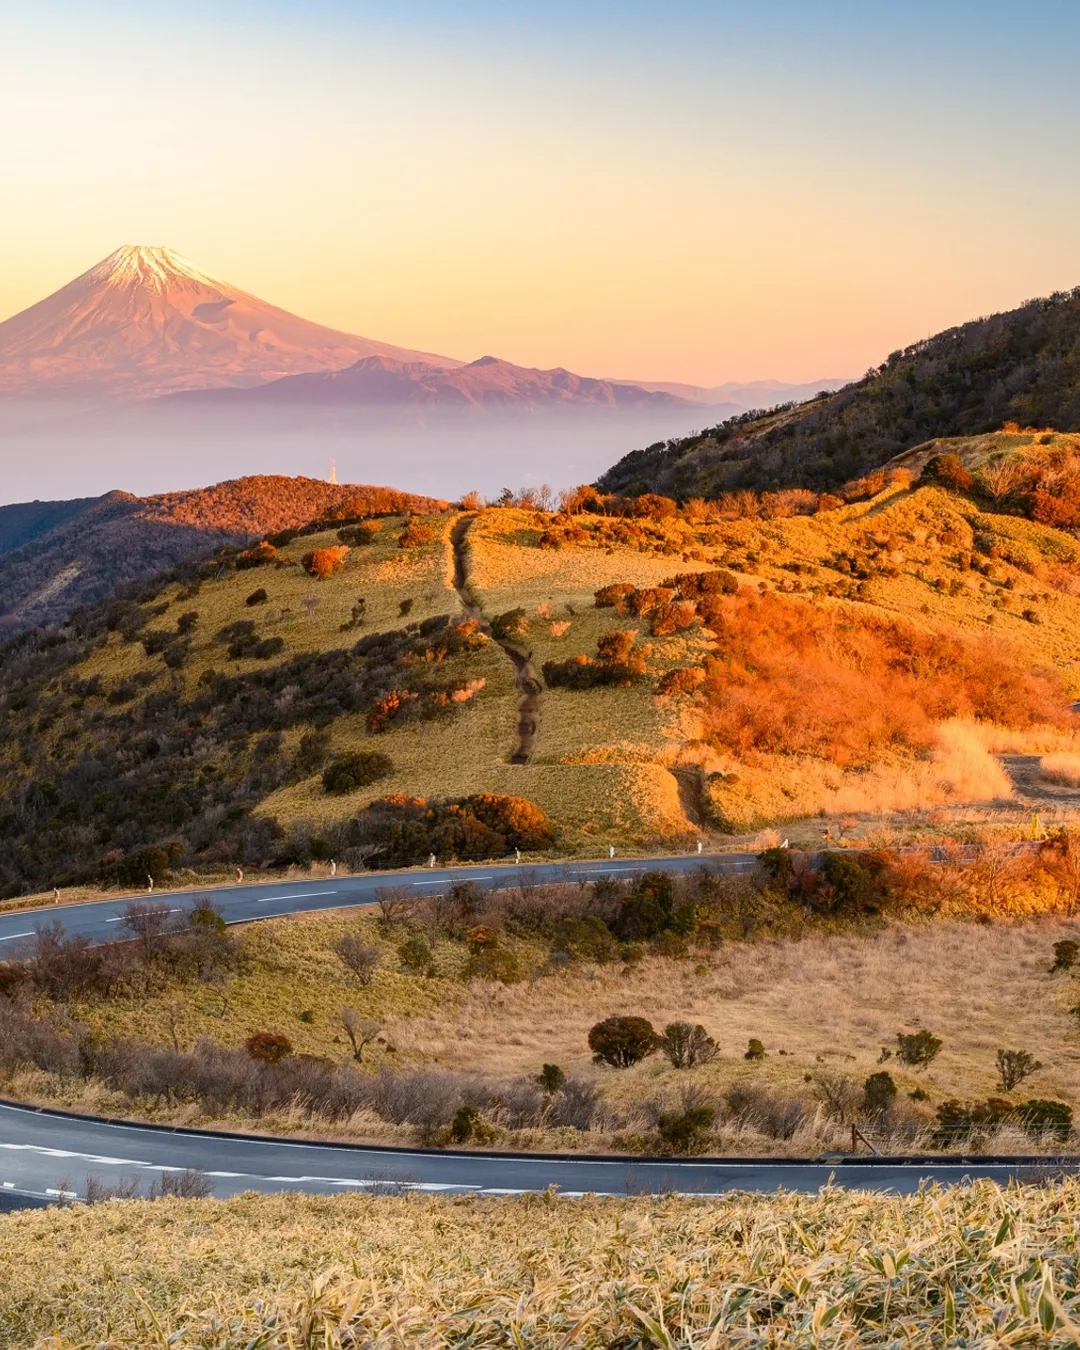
(1022, 366)
(643, 675)
(969, 1265)
(60, 555)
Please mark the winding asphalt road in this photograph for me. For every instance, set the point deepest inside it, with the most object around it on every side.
(45, 1155)
(98, 919)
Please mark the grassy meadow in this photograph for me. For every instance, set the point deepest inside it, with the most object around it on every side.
(971, 1265)
(824, 1004)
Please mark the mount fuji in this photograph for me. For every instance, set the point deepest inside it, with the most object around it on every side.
(145, 321)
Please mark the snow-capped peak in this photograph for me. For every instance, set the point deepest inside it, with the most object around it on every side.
(153, 267)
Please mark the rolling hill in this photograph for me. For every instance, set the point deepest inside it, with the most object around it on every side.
(641, 675)
(56, 556)
(1021, 366)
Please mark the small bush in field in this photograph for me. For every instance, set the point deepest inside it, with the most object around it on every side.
(258, 597)
(614, 595)
(1014, 1066)
(324, 562)
(1066, 955)
(187, 622)
(622, 1041)
(684, 680)
(498, 964)
(414, 534)
(917, 1049)
(513, 626)
(947, 471)
(356, 536)
(176, 655)
(879, 1091)
(685, 1046)
(268, 1046)
(469, 1126)
(1042, 1116)
(673, 618)
(551, 1078)
(350, 772)
(414, 955)
(755, 1050)
(686, 1132)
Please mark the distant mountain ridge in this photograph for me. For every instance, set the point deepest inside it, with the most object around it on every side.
(55, 556)
(383, 381)
(146, 323)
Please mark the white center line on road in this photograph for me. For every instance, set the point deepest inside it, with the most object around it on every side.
(12, 936)
(443, 882)
(305, 895)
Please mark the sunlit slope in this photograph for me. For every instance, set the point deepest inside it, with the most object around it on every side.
(662, 675)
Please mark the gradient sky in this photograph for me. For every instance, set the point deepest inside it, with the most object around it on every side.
(673, 190)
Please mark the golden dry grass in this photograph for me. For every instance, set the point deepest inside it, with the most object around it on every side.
(306, 612)
(971, 1266)
(1061, 768)
(602, 758)
(824, 1003)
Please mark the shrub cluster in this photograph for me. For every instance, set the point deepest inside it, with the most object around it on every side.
(618, 662)
(138, 762)
(358, 769)
(397, 831)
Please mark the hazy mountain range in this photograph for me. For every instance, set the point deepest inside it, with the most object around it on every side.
(145, 322)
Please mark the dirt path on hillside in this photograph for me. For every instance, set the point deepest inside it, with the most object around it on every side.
(526, 678)
(1030, 785)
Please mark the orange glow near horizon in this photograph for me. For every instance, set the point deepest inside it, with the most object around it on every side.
(474, 196)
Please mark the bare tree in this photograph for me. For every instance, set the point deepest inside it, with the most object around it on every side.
(361, 1031)
(1002, 477)
(147, 923)
(358, 956)
(394, 903)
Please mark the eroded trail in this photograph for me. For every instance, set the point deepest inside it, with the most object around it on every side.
(526, 678)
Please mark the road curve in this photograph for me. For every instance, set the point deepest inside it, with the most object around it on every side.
(45, 1154)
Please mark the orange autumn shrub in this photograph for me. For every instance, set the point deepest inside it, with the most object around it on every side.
(789, 678)
(324, 562)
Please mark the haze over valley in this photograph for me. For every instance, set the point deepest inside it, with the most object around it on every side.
(147, 374)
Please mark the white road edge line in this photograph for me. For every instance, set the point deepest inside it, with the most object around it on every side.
(445, 879)
(266, 899)
(12, 936)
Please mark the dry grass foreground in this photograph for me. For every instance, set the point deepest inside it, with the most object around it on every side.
(970, 1266)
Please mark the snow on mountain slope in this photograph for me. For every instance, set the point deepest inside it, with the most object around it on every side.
(145, 321)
